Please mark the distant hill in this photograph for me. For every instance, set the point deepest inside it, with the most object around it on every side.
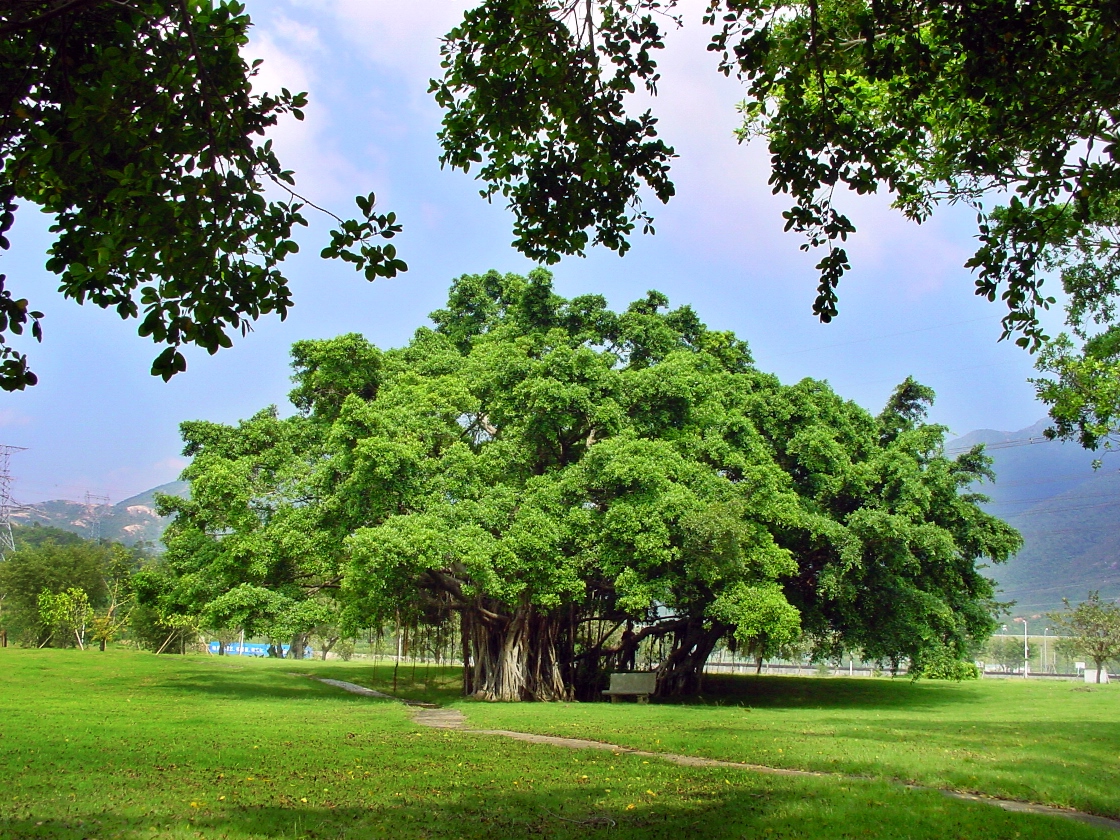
(1066, 511)
(129, 521)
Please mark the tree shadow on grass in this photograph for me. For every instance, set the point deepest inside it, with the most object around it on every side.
(441, 685)
(823, 693)
(763, 808)
(291, 678)
(251, 685)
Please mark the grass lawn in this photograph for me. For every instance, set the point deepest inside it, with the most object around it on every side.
(1056, 743)
(128, 745)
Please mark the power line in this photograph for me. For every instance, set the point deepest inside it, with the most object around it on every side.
(1031, 590)
(1041, 511)
(1082, 476)
(1003, 444)
(1059, 497)
(7, 538)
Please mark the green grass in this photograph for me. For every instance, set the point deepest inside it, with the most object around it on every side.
(125, 745)
(1056, 743)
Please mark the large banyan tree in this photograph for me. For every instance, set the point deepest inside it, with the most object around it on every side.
(567, 483)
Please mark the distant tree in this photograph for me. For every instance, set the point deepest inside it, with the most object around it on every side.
(108, 622)
(1094, 626)
(65, 614)
(52, 568)
(35, 535)
(1005, 652)
(1067, 652)
(50, 559)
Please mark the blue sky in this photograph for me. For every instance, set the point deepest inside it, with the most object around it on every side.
(98, 423)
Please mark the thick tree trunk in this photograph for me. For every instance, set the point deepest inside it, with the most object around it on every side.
(297, 645)
(465, 638)
(683, 670)
(516, 658)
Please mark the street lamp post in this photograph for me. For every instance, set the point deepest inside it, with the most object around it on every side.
(1026, 650)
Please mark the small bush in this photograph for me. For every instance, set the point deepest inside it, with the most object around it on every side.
(946, 667)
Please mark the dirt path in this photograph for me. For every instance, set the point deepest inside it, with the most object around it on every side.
(437, 718)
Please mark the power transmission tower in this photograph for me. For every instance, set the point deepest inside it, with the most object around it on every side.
(7, 539)
(97, 504)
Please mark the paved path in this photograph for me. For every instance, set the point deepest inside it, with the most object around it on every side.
(427, 715)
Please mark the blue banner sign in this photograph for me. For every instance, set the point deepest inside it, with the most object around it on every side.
(253, 649)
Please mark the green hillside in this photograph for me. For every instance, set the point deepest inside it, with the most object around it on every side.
(1065, 509)
(130, 521)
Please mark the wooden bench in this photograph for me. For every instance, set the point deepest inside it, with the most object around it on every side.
(638, 684)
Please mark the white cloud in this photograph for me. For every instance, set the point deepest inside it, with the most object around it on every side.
(725, 203)
(403, 35)
(11, 417)
(289, 50)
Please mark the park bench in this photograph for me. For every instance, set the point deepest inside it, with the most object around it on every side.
(638, 684)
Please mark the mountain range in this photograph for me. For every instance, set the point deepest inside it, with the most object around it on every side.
(1066, 511)
(129, 521)
(1050, 491)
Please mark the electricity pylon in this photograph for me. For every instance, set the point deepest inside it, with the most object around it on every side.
(97, 505)
(7, 539)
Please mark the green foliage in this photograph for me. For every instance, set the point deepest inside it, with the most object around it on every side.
(1006, 652)
(66, 614)
(1083, 391)
(345, 649)
(534, 94)
(935, 102)
(940, 664)
(1094, 626)
(53, 562)
(534, 463)
(35, 535)
(932, 102)
(135, 126)
(53, 568)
